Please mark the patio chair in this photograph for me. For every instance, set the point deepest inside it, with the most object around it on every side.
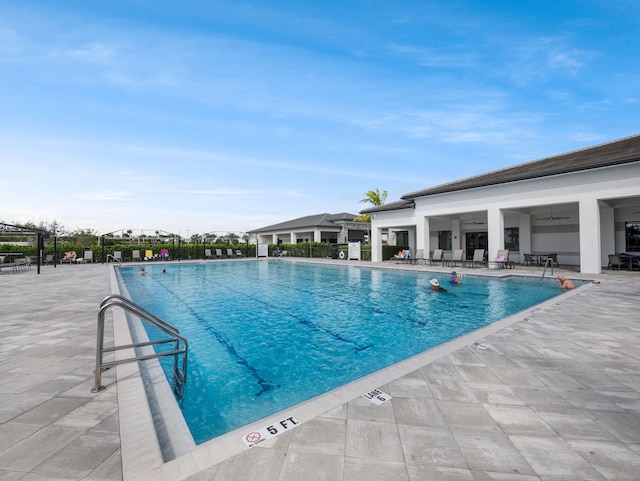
(135, 256)
(148, 255)
(503, 258)
(616, 262)
(239, 253)
(230, 253)
(219, 253)
(436, 257)
(48, 259)
(478, 258)
(419, 257)
(207, 254)
(456, 257)
(529, 260)
(87, 257)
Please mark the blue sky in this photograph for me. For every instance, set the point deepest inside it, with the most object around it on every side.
(215, 116)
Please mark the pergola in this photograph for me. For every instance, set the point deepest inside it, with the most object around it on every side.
(19, 230)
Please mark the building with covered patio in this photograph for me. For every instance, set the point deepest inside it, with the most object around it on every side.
(582, 206)
(331, 228)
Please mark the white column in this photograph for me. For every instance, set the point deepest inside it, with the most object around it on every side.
(495, 231)
(524, 231)
(456, 242)
(317, 235)
(294, 238)
(607, 234)
(274, 239)
(376, 244)
(427, 237)
(589, 214)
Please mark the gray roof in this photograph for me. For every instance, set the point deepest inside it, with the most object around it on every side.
(310, 221)
(397, 205)
(618, 152)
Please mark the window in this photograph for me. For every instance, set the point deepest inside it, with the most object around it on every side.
(444, 240)
(512, 238)
(632, 236)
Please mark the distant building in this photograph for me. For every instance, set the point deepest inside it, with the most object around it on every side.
(331, 228)
(581, 206)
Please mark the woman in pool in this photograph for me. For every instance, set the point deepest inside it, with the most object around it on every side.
(455, 280)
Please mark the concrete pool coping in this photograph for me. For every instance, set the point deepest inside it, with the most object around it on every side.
(142, 453)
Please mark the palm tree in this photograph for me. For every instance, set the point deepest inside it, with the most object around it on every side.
(374, 197)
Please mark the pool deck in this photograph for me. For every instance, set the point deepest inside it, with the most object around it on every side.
(547, 395)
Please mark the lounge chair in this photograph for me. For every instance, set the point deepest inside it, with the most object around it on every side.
(239, 253)
(207, 254)
(135, 256)
(48, 259)
(69, 257)
(87, 257)
(230, 253)
(436, 257)
(419, 258)
(117, 256)
(148, 255)
(478, 258)
(503, 258)
(219, 253)
(554, 258)
(456, 258)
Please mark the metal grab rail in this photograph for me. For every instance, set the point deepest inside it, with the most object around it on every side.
(546, 264)
(116, 300)
(113, 259)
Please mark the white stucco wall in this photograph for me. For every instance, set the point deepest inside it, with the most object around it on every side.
(588, 198)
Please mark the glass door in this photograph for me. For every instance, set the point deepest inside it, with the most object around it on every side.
(475, 240)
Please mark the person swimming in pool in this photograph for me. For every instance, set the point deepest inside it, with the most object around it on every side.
(565, 283)
(435, 286)
(455, 280)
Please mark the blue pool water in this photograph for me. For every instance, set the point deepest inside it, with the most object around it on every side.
(265, 335)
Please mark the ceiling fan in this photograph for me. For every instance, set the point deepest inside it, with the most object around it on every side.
(552, 217)
(475, 222)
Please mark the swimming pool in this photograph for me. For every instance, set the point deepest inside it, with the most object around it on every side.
(265, 335)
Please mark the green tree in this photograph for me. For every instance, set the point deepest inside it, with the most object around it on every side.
(373, 197)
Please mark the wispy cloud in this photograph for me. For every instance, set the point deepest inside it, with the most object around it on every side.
(103, 196)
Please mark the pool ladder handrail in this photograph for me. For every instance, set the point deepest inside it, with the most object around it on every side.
(546, 264)
(113, 259)
(116, 300)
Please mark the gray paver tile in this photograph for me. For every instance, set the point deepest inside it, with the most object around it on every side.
(81, 456)
(373, 440)
(490, 451)
(519, 420)
(612, 460)
(554, 458)
(624, 426)
(356, 469)
(310, 466)
(320, 435)
(417, 412)
(432, 446)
